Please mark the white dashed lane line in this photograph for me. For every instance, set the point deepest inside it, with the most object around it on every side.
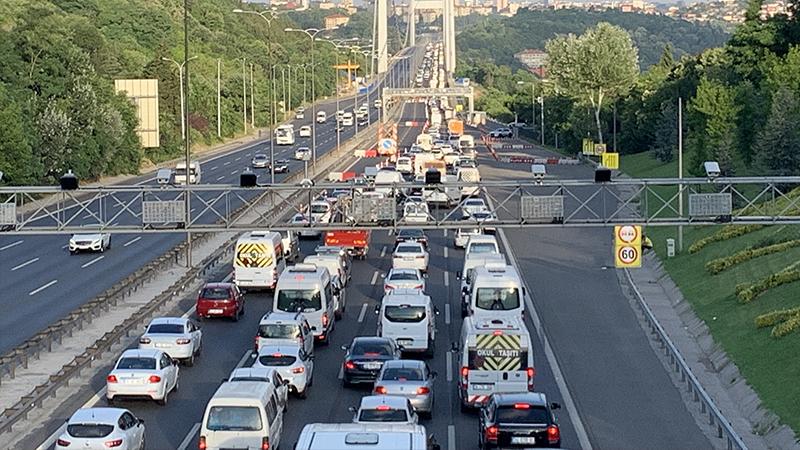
(41, 288)
(26, 263)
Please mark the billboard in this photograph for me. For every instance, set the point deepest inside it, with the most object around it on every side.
(144, 95)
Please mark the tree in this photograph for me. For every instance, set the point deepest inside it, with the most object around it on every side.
(715, 111)
(601, 65)
(777, 148)
(666, 132)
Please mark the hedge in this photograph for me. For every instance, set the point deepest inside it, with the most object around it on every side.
(786, 327)
(729, 232)
(771, 318)
(748, 292)
(720, 264)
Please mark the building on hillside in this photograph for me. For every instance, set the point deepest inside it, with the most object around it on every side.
(335, 21)
(327, 5)
(500, 5)
(534, 59)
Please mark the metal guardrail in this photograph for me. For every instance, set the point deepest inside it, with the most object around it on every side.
(716, 419)
(44, 340)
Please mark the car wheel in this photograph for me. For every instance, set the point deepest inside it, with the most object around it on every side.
(163, 401)
(235, 316)
(189, 361)
(110, 401)
(338, 314)
(102, 248)
(303, 395)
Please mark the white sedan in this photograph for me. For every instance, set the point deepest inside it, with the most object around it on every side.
(102, 428)
(472, 206)
(292, 363)
(415, 212)
(403, 279)
(305, 131)
(302, 154)
(179, 337)
(90, 242)
(410, 255)
(148, 373)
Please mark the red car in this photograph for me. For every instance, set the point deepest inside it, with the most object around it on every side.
(220, 300)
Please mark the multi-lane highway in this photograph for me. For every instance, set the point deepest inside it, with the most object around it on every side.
(598, 362)
(41, 282)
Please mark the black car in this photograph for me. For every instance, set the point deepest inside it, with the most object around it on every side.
(411, 235)
(518, 420)
(365, 358)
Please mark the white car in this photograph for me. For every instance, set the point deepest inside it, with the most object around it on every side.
(90, 242)
(462, 235)
(300, 218)
(403, 279)
(484, 219)
(305, 131)
(263, 375)
(322, 117)
(472, 206)
(292, 363)
(501, 133)
(101, 429)
(410, 255)
(415, 212)
(383, 409)
(179, 337)
(302, 154)
(300, 113)
(260, 161)
(405, 165)
(146, 372)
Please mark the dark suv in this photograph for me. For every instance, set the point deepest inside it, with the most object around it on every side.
(518, 420)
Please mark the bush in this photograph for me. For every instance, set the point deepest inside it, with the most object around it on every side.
(771, 318)
(720, 264)
(747, 293)
(786, 327)
(729, 232)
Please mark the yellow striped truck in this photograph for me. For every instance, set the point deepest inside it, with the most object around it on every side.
(258, 260)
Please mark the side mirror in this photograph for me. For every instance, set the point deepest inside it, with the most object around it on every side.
(141, 421)
(555, 405)
(345, 347)
(436, 311)
(424, 275)
(458, 275)
(401, 347)
(454, 347)
(352, 409)
(383, 275)
(524, 291)
(285, 382)
(174, 362)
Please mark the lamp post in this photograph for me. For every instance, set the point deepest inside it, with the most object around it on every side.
(337, 45)
(312, 34)
(183, 107)
(268, 15)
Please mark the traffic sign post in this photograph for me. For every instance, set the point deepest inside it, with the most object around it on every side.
(627, 246)
(610, 160)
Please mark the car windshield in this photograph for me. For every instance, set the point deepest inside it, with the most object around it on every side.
(137, 363)
(522, 413)
(373, 348)
(320, 209)
(483, 247)
(482, 216)
(408, 249)
(474, 203)
(276, 360)
(233, 418)
(216, 293)
(382, 415)
(497, 299)
(299, 300)
(399, 276)
(165, 328)
(89, 430)
(278, 331)
(404, 313)
(251, 378)
(410, 234)
(402, 374)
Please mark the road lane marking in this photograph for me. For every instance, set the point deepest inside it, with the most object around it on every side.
(226, 163)
(188, 439)
(446, 278)
(447, 313)
(362, 313)
(383, 251)
(92, 261)
(247, 354)
(445, 232)
(132, 241)
(220, 178)
(41, 288)
(341, 372)
(449, 357)
(13, 244)
(451, 437)
(213, 168)
(374, 278)
(235, 172)
(20, 266)
(237, 159)
(445, 252)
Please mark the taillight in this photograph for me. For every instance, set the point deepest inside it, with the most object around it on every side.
(111, 378)
(522, 406)
(349, 365)
(63, 443)
(464, 375)
(423, 390)
(256, 344)
(201, 444)
(298, 370)
(380, 390)
(531, 372)
(553, 434)
(114, 443)
(389, 287)
(419, 286)
(264, 443)
(144, 340)
(183, 341)
(421, 257)
(325, 320)
(490, 434)
(154, 379)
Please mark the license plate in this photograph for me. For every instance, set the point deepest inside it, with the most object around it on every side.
(215, 311)
(406, 258)
(405, 341)
(482, 387)
(372, 366)
(523, 440)
(162, 345)
(131, 381)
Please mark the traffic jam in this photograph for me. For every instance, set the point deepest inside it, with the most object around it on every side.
(309, 277)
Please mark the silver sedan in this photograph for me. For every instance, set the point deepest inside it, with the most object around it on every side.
(410, 379)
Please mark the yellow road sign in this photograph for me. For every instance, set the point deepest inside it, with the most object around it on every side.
(588, 146)
(627, 246)
(628, 256)
(599, 149)
(610, 160)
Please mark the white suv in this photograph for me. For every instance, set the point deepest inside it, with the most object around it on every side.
(282, 327)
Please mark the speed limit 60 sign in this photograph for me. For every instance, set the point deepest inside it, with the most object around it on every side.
(627, 246)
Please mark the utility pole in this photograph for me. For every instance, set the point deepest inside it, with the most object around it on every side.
(680, 172)
(252, 106)
(244, 96)
(187, 137)
(219, 100)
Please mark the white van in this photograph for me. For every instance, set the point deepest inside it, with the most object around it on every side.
(347, 119)
(496, 290)
(362, 436)
(322, 117)
(284, 135)
(259, 260)
(338, 273)
(242, 414)
(469, 175)
(321, 211)
(481, 243)
(408, 317)
(496, 356)
(386, 178)
(467, 144)
(194, 172)
(468, 273)
(307, 288)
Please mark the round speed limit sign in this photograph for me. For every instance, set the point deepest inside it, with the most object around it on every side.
(627, 233)
(627, 254)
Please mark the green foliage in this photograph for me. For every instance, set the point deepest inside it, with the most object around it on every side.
(778, 145)
(714, 108)
(783, 321)
(747, 292)
(728, 232)
(720, 264)
(666, 133)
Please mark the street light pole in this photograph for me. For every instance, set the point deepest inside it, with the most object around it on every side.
(184, 116)
(252, 103)
(219, 98)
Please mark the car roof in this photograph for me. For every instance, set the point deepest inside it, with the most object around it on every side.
(260, 372)
(169, 320)
(97, 415)
(411, 243)
(218, 285)
(394, 271)
(375, 339)
(141, 353)
(411, 297)
(393, 401)
(283, 348)
(405, 364)
(533, 398)
(282, 316)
